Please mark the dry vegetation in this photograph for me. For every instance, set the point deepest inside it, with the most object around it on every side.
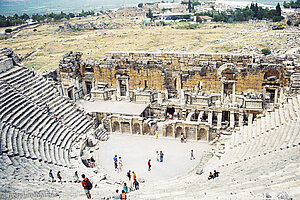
(47, 45)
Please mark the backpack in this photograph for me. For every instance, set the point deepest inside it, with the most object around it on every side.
(89, 185)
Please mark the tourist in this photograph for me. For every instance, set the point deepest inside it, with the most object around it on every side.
(120, 164)
(125, 188)
(117, 195)
(170, 116)
(149, 164)
(216, 174)
(59, 176)
(134, 176)
(181, 138)
(123, 195)
(156, 134)
(55, 117)
(86, 184)
(76, 177)
(157, 156)
(161, 156)
(116, 162)
(211, 176)
(129, 175)
(136, 185)
(51, 176)
(92, 160)
(192, 155)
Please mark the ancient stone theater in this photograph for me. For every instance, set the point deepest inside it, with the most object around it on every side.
(198, 95)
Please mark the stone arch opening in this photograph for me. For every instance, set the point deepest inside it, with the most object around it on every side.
(271, 75)
(116, 127)
(179, 130)
(190, 133)
(194, 117)
(146, 129)
(125, 127)
(136, 128)
(228, 70)
(169, 131)
(202, 134)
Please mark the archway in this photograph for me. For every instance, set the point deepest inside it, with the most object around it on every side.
(271, 75)
(202, 134)
(169, 131)
(125, 127)
(136, 128)
(146, 129)
(194, 117)
(116, 127)
(179, 130)
(190, 133)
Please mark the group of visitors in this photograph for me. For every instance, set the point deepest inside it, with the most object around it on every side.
(118, 163)
(92, 162)
(52, 176)
(213, 175)
(86, 184)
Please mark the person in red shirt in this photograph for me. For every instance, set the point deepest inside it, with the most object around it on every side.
(149, 164)
(84, 185)
(59, 176)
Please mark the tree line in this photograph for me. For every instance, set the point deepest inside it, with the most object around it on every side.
(291, 4)
(245, 14)
(16, 20)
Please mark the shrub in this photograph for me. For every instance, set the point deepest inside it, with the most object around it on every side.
(266, 51)
(9, 30)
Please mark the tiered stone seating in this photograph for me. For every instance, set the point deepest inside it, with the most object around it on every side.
(32, 140)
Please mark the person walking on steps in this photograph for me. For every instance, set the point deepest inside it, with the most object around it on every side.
(116, 163)
(157, 156)
(120, 165)
(192, 155)
(134, 176)
(87, 186)
(76, 177)
(161, 156)
(149, 164)
(129, 175)
(125, 188)
(51, 176)
(59, 177)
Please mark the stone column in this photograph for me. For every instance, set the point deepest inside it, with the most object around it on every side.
(241, 119)
(210, 116)
(141, 129)
(110, 125)
(159, 97)
(231, 119)
(84, 88)
(130, 126)
(233, 92)
(121, 130)
(118, 88)
(222, 91)
(127, 88)
(197, 133)
(250, 118)
(219, 120)
(276, 96)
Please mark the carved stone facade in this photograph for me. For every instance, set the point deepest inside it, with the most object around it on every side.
(220, 91)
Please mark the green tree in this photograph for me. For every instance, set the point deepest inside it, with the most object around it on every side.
(190, 6)
(140, 5)
(149, 14)
(289, 22)
(278, 10)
